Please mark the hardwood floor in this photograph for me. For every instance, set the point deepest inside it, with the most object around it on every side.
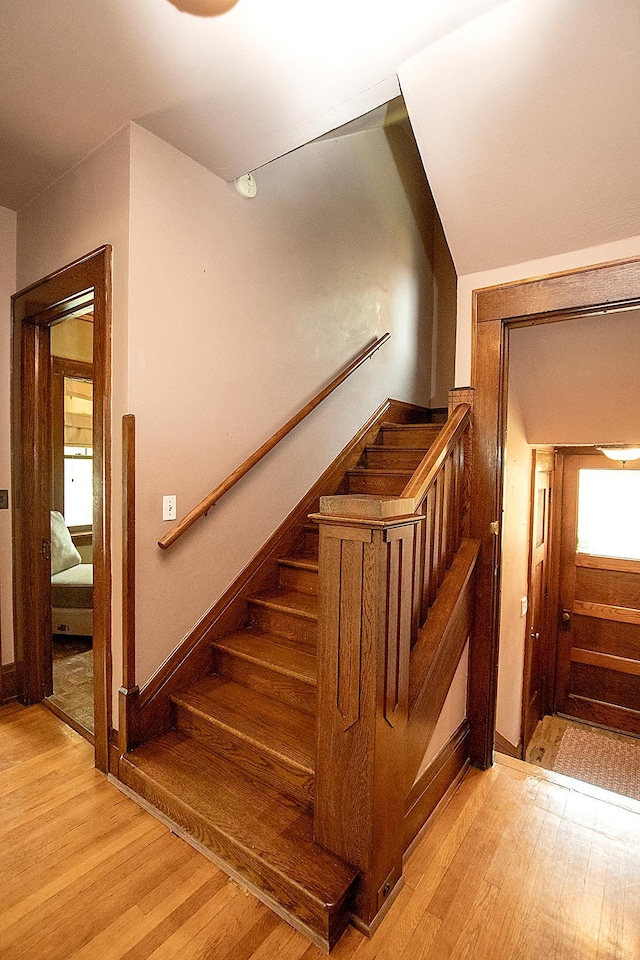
(521, 864)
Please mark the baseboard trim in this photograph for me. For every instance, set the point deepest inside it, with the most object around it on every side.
(9, 684)
(502, 745)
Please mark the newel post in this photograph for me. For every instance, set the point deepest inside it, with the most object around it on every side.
(366, 580)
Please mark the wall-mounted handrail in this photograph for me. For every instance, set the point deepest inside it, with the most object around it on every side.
(198, 511)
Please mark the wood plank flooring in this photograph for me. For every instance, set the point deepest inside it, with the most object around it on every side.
(521, 864)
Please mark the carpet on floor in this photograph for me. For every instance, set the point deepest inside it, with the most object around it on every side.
(600, 760)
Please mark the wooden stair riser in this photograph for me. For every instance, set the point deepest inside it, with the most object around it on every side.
(310, 544)
(261, 677)
(284, 624)
(325, 925)
(421, 435)
(292, 780)
(293, 578)
(378, 484)
(394, 458)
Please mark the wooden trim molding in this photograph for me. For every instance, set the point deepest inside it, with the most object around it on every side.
(606, 611)
(9, 684)
(82, 283)
(615, 564)
(435, 785)
(558, 297)
(606, 661)
(502, 745)
(128, 693)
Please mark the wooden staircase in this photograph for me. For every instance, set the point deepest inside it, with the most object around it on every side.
(237, 771)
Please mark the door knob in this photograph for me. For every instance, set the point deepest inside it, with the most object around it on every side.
(566, 619)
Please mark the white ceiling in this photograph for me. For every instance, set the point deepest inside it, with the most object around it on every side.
(528, 121)
(232, 91)
(526, 112)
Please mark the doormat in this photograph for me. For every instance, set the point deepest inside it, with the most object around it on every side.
(600, 760)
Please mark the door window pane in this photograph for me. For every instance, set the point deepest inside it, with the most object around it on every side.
(609, 513)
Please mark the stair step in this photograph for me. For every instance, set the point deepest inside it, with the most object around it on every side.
(311, 537)
(298, 573)
(264, 839)
(267, 739)
(394, 458)
(387, 483)
(286, 613)
(269, 665)
(408, 434)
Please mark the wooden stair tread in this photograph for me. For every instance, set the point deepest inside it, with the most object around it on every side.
(292, 601)
(300, 562)
(264, 835)
(273, 727)
(388, 425)
(379, 472)
(274, 651)
(389, 448)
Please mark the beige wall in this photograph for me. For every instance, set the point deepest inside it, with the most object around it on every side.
(86, 208)
(578, 380)
(515, 570)
(7, 288)
(240, 310)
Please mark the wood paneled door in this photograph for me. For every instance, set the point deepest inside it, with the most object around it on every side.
(598, 648)
(537, 615)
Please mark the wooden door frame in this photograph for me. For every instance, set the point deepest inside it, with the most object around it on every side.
(33, 311)
(551, 299)
(545, 619)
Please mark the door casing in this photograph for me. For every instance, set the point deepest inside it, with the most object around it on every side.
(551, 299)
(34, 309)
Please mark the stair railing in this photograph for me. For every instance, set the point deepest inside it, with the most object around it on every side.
(383, 565)
(205, 504)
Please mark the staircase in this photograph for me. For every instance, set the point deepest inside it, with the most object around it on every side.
(237, 771)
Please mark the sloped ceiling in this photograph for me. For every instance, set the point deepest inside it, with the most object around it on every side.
(232, 91)
(528, 121)
(577, 381)
(526, 112)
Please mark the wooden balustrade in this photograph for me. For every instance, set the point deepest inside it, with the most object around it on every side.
(383, 565)
(205, 505)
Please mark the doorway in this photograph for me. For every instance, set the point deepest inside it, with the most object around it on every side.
(552, 299)
(597, 640)
(71, 504)
(39, 474)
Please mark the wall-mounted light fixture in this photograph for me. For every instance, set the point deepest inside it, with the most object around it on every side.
(620, 451)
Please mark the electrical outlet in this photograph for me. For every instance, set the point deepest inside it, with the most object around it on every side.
(169, 507)
(4, 499)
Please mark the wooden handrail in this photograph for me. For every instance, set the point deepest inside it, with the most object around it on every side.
(198, 511)
(428, 469)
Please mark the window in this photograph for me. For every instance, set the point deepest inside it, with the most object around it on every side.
(609, 513)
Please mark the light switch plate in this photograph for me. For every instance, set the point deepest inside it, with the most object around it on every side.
(169, 507)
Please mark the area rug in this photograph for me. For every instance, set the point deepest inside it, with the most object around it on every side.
(600, 760)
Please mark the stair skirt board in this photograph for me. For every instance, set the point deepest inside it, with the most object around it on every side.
(233, 874)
